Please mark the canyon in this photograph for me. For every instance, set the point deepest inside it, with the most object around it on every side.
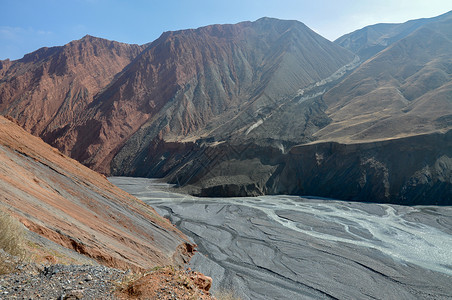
(260, 128)
(200, 106)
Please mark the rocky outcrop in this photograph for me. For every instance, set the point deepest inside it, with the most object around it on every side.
(73, 206)
(168, 283)
(202, 281)
(413, 170)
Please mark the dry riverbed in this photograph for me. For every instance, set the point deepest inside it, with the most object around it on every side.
(287, 247)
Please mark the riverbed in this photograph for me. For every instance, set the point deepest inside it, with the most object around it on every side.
(290, 247)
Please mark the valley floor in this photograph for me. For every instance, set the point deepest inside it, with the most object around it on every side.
(287, 247)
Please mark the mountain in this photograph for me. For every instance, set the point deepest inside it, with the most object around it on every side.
(63, 201)
(372, 39)
(248, 69)
(401, 91)
(398, 99)
(186, 83)
(48, 88)
(221, 110)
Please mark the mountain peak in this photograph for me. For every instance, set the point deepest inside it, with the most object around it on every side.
(91, 39)
(275, 20)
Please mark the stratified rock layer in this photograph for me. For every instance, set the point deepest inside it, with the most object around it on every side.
(412, 170)
(64, 201)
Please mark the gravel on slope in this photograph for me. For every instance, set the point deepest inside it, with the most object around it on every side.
(57, 281)
(32, 281)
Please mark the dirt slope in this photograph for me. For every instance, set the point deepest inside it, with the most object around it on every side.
(60, 199)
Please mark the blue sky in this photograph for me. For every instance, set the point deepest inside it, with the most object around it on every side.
(27, 25)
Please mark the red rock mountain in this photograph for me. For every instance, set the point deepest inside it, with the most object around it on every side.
(47, 89)
(181, 86)
(189, 83)
(71, 205)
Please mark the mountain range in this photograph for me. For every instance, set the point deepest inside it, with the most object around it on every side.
(253, 108)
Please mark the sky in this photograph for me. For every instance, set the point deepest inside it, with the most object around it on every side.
(27, 25)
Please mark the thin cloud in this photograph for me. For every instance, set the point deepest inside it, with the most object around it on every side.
(10, 33)
(19, 33)
(16, 41)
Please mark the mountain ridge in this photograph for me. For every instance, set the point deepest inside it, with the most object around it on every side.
(371, 39)
(63, 81)
(186, 78)
(204, 94)
(403, 90)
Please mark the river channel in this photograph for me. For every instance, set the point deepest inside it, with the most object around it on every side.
(290, 247)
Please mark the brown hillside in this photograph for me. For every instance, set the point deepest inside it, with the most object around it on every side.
(47, 89)
(404, 90)
(60, 199)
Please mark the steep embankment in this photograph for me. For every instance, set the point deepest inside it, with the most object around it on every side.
(413, 170)
(69, 204)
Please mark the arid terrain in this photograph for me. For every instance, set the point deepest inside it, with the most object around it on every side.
(226, 97)
(254, 109)
(69, 204)
(73, 215)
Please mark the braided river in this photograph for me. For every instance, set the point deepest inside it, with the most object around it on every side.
(291, 247)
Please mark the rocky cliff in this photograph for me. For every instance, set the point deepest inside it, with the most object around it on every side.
(71, 205)
(412, 171)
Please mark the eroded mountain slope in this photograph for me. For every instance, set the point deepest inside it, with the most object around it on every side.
(47, 89)
(229, 76)
(60, 199)
(404, 90)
